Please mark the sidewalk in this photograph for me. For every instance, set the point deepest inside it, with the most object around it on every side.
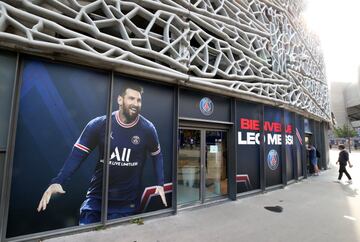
(316, 209)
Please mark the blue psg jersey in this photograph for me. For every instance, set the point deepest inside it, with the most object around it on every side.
(129, 146)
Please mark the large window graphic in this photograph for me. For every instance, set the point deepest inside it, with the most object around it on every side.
(56, 103)
(248, 139)
(273, 140)
(140, 177)
(248, 148)
(60, 148)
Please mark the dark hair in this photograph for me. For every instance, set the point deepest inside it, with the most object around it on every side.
(129, 85)
(341, 146)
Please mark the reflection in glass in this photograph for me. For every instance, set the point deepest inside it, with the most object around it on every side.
(189, 167)
(216, 156)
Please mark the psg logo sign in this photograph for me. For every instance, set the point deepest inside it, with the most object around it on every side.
(273, 160)
(206, 106)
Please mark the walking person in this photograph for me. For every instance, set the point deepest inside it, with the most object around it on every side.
(343, 161)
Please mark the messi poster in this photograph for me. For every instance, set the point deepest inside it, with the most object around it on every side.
(59, 151)
(140, 165)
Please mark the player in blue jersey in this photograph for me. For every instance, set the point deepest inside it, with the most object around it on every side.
(132, 137)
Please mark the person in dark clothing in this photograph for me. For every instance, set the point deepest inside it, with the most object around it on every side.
(343, 161)
(313, 159)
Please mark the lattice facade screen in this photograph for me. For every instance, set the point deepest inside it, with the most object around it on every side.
(254, 47)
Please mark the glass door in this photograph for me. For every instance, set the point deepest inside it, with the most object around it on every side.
(189, 162)
(202, 165)
(215, 167)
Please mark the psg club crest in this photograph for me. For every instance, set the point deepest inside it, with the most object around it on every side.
(206, 106)
(135, 140)
(273, 160)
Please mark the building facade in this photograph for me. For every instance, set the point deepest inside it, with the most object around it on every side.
(232, 92)
(345, 103)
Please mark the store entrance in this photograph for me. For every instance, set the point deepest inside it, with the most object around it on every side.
(202, 165)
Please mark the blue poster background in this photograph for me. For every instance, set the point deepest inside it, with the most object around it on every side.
(56, 102)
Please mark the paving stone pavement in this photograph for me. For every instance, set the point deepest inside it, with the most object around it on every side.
(315, 209)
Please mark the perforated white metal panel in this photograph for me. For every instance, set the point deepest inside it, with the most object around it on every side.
(253, 47)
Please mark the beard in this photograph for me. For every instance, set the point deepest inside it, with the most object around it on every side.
(130, 115)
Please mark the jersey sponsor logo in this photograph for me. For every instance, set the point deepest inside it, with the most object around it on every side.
(122, 158)
(135, 140)
(206, 106)
(273, 160)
